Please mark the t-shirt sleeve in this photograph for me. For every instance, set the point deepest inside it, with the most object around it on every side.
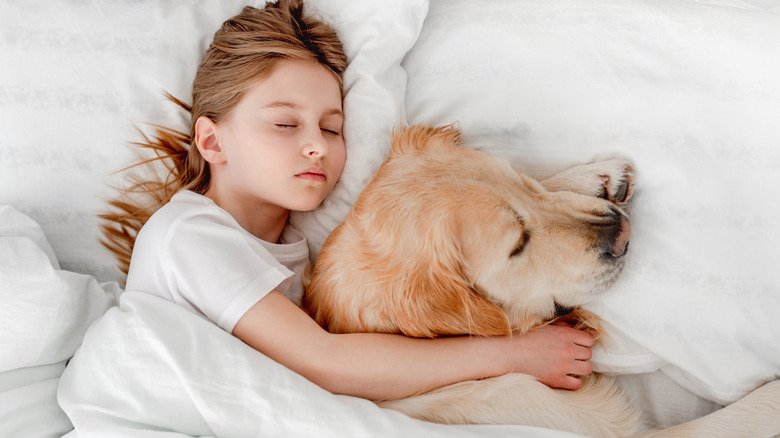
(217, 267)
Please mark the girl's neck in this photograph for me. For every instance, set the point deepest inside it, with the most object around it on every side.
(264, 221)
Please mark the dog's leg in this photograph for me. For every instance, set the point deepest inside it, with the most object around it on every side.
(598, 409)
(757, 415)
(611, 179)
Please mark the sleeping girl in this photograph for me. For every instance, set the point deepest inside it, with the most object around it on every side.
(213, 234)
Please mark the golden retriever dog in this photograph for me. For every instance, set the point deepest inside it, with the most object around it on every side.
(447, 240)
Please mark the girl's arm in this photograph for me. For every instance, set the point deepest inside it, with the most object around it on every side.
(382, 366)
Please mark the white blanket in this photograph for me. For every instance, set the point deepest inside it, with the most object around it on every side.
(151, 368)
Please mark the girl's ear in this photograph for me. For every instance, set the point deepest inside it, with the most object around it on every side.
(207, 141)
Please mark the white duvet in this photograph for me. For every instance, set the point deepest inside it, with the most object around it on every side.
(173, 373)
(688, 90)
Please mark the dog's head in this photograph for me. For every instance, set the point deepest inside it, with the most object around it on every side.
(448, 240)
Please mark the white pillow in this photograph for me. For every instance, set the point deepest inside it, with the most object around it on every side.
(45, 310)
(689, 92)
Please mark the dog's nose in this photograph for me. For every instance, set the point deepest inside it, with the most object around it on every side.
(620, 245)
(615, 235)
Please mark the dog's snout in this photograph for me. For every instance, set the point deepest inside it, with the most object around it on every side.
(615, 236)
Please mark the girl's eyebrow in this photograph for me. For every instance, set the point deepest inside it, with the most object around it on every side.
(280, 104)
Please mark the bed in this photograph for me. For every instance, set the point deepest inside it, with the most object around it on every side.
(687, 89)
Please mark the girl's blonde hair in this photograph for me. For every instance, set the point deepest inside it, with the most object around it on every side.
(244, 50)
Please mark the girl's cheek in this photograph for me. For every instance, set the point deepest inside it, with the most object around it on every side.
(342, 157)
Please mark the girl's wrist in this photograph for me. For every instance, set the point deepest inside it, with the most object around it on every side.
(499, 357)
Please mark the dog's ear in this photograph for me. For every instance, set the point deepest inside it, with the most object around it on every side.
(434, 297)
(443, 307)
(413, 138)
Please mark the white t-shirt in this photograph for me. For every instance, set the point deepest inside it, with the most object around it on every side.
(193, 253)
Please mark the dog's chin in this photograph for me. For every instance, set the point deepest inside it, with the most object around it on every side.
(564, 304)
(597, 285)
(607, 278)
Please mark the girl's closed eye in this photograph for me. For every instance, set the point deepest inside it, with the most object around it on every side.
(332, 125)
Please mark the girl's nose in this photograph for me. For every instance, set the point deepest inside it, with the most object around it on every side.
(315, 146)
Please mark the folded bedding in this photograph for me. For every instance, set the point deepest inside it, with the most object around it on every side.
(45, 312)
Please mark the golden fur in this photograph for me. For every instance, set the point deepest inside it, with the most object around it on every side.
(447, 240)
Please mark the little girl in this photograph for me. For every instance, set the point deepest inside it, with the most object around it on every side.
(266, 139)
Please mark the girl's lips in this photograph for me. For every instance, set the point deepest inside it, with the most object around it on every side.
(312, 174)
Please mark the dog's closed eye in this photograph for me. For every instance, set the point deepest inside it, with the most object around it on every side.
(521, 244)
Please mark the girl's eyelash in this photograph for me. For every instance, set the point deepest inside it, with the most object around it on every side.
(292, 125)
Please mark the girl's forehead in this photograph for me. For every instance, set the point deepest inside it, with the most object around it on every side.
(297, 83)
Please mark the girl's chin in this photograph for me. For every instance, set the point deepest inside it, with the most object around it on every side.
(304, 205)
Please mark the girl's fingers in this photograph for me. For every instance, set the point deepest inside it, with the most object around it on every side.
(581, 368)
(571, 382)
(585, 339)
(582, 353)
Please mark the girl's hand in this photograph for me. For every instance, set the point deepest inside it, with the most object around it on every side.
(555, 354)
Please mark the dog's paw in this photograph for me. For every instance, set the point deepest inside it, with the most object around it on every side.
(612, 180)
(617, 180)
